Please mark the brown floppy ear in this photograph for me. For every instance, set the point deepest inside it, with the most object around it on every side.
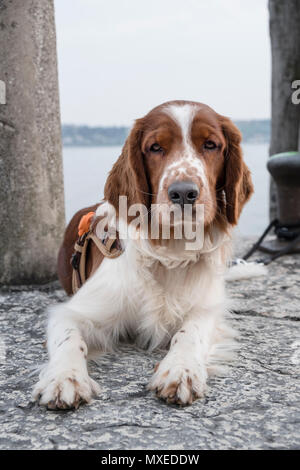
(238, 183)
(128, 175)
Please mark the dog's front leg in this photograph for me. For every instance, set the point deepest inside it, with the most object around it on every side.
(181, 376)
(64, 381)
(86, 321)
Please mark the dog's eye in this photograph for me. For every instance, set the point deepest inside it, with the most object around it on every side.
(210, 145)
(155, 148)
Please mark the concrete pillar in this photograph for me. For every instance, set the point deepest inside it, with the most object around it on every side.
(31, 178)
(285, 48)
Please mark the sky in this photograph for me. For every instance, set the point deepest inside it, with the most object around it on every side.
(118, 59)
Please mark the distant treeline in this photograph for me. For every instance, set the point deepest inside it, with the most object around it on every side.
(86, 136)
(257, 130)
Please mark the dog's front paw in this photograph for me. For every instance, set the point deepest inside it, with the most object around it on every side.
(180, 382)
(64, 389)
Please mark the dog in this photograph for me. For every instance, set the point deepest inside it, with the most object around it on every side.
(157, 291)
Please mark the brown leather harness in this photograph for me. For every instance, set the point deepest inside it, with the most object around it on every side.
(109, 247)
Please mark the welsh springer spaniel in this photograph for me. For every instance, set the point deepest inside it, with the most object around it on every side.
(158, 292)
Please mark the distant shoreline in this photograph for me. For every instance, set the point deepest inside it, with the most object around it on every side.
(253, 131)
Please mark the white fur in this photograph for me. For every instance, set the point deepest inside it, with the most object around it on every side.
(183, 115)
(151, 294)
(245, 270)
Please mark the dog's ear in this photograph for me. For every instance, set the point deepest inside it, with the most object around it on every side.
(238, 185)
(128, 176)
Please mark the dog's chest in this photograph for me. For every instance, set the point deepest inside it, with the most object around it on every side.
(167, 294)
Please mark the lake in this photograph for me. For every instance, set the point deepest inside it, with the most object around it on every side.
(86, 169)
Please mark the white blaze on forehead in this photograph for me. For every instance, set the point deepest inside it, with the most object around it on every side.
(187, 156)
(183, 115)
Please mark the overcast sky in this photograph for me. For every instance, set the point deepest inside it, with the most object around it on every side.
(120, 58)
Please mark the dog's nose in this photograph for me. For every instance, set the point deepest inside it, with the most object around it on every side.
(183, 192)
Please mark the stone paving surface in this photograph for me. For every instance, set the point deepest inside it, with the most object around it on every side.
(256, 406)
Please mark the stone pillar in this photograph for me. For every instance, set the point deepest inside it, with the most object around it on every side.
(285, 46)
(31, 177)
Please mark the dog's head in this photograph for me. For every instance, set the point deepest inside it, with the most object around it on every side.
(183, 153)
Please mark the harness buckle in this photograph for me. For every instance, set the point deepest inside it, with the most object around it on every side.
(75, 258)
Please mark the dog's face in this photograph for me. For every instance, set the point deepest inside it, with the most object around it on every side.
(183, 148)
(183, 153)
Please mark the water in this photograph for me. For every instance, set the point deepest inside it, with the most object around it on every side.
(86, 169)
(255, 215)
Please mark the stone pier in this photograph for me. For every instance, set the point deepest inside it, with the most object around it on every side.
(256, 406)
